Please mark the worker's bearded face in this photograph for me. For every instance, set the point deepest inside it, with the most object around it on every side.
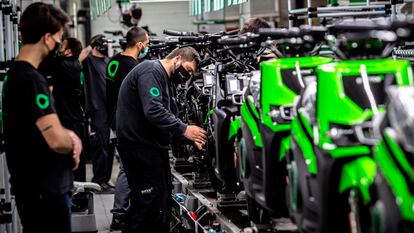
(180, 75)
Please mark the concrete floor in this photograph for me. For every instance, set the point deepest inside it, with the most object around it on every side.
(104, 202)
(103, 206)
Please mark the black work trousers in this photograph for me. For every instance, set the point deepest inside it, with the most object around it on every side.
(80, 129)
(44, 212)
(102, 152)
(149, 178)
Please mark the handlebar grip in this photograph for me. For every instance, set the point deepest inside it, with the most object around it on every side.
(157, 46)
(279, 33)
(156, 41)
(192, 39)
(115, 33)
(233, 41)
(177, 33)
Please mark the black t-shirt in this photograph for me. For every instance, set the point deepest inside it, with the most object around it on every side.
(32, 164)
(68, 90)
(118, 68)
(146, 108)
(94, 69)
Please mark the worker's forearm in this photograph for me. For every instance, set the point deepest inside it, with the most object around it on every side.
(63, 144)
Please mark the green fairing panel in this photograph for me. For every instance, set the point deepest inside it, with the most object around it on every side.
(393, 176)
(401, 157)
(234, 127)
(340, 152)
(305, 145)
(360, 174)
(274, 91)
(284, 147)
(333, 106)
(251, 124)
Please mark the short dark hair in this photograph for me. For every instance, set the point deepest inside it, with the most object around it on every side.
(186, 53)
(97, 40)
(135, 35)
(253, 25)
(41, 18)
(74, 45)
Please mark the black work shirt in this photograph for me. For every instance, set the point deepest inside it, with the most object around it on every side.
(94, 69)
(118, 68)
(145, 114)
(68, 90)
(32, 164)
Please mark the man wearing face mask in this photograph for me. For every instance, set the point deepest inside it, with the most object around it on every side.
(41, 153)
(146, 123)
(94, 69)
(118, 67)
(69, 94)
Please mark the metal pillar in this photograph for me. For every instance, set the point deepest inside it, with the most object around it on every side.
(309, 4)
(289, 10)
(8, 31)
(2, 57)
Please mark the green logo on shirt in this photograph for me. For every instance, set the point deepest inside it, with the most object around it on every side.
(155, 92)
(113, 68)
(42, 101)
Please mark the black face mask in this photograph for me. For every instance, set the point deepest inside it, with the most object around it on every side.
(180, 75)
(55, 51)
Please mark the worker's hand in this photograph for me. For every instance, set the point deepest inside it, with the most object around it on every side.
(77, 149)
(200, 146)
(196, 134)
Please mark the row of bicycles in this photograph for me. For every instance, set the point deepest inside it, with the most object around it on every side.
(315, 124)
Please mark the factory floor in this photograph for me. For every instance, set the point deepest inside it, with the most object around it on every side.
(103, 202)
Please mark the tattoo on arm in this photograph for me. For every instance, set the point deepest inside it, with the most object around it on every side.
(47, 128)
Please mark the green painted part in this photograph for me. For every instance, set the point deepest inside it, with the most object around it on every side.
(251, 124)
(305, 145)
(274, 91)
(341, 152)
(82, 78)
(394, 177)
(42, 101)
(331, 95)
(284, 147)
(402, 159)
(113, 68)
(234, 127)
(358, 174)
(209, 113)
